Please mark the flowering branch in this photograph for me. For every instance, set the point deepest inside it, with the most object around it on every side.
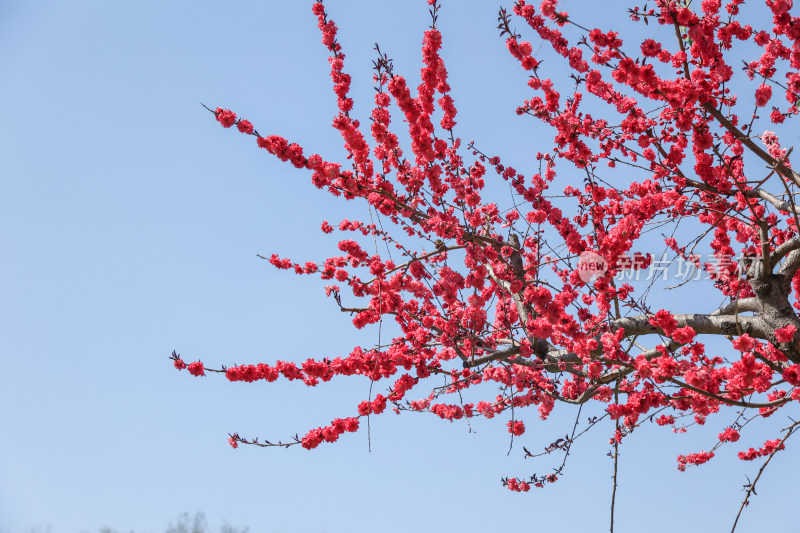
(530, 294)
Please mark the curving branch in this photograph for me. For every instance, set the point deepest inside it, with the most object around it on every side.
(784, 249)
(788, 270)
(744, 305)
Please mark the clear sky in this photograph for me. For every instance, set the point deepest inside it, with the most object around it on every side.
(129, 227)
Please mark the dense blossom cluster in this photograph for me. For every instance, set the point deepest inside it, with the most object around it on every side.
(769, 447)
(487, 295)
(694, 459)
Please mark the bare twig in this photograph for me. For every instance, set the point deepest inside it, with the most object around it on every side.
(751, 487)
(616, 462)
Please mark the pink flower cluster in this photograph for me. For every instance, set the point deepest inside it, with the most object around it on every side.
(729, 435)
(694, 459)
(195, 369)
(329, 433)
(516, 427)
(517, 485)
(769, 448)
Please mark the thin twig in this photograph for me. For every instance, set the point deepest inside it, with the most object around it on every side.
(751, 488)
(616, 461)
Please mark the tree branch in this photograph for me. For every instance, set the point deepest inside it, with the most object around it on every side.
(780, 205)
(744, 305)
(751, 488)
(701, 324)
(747, 141)
(782, 250)
(788, 270)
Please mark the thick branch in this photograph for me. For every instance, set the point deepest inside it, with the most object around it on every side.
(701, 324)
(745, 305)
(780, 205)
(788, 270)
(721, 322)
(548, 354)
(782, 250)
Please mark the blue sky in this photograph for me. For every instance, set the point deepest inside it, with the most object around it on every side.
(130, 223)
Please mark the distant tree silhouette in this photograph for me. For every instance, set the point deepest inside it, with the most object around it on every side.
(189, 524)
